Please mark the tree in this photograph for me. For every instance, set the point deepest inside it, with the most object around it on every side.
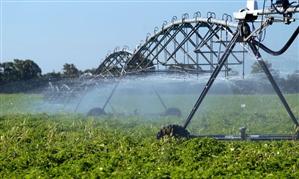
(292, 83)
(256, 68)
(1, 74)
(27, 69)
(10, 72)
(70, 71)
(52, 76)
(19, 70)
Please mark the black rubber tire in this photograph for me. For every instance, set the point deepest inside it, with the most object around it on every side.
(173, 130)
(172, 112)
(96, 112)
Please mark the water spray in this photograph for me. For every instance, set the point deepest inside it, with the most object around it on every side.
(99, 111)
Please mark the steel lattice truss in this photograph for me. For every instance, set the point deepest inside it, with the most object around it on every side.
(190, 45)
(115, 63)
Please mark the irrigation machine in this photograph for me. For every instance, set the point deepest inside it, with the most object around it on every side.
(212, 41)
(203, 45)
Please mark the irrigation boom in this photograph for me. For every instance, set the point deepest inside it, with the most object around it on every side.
(200, 45)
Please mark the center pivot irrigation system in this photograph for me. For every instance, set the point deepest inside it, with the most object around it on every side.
(201, 45)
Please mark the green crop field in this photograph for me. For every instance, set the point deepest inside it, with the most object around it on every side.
(35, 143)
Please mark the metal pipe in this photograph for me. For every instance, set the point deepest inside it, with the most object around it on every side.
(160, 98)
(273, 11)
(111, 94)
(214, 75)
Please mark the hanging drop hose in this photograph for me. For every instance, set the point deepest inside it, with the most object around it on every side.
(284, 48)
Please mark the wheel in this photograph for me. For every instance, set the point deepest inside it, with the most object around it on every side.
(172, 112)
(96, 112)
(173, 130)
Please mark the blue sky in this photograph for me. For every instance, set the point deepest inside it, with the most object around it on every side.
(82, 32)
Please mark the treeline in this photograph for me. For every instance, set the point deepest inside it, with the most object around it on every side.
(259, 83)
(26, 76)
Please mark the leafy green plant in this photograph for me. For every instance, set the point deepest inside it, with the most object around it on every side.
(75, 146)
